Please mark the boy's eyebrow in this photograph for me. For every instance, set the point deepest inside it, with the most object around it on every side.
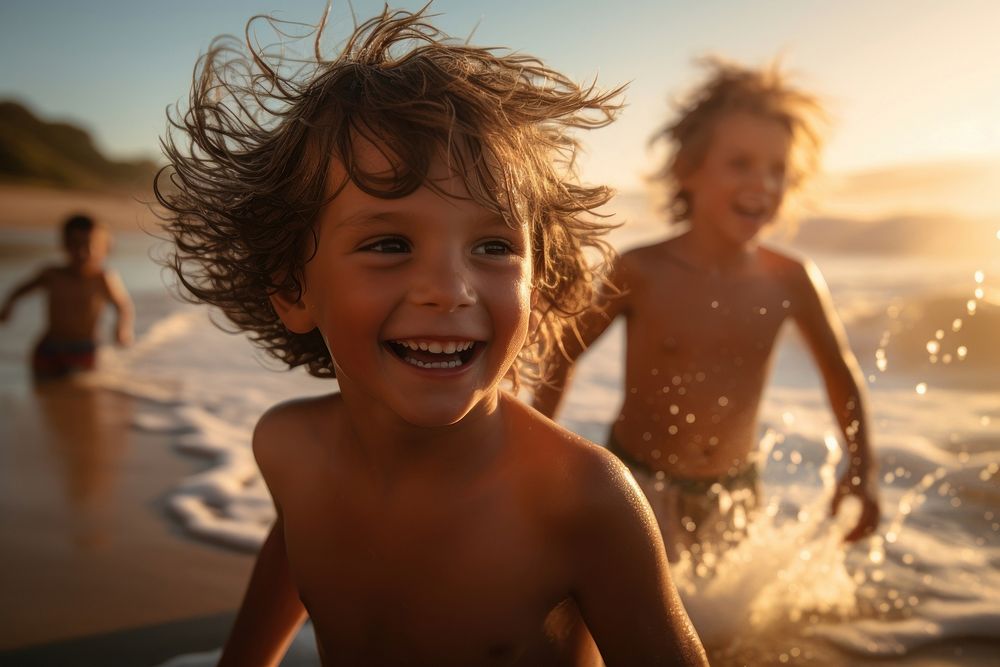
(362, 217)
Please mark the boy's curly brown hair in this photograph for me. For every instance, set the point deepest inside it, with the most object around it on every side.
(248, 163)
(726, 88)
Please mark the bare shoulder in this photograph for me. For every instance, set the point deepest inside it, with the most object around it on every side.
(286, 431)
(575, 476)
(782, 259)
(795, 270)
(648, 259)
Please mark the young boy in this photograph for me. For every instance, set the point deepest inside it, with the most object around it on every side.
(77, 294)
(406, 222)
(703, 310)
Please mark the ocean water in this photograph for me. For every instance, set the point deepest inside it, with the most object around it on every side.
(927, 333)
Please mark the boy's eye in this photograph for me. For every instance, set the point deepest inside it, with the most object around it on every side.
(390, 244)
(494, 247)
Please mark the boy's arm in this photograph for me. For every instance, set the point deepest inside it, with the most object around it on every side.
(624, 590)
(119, 298)
(24, 288)
(576, 341)
(817, 319)
(271, 611)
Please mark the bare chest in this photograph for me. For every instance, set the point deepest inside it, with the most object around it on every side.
(696, 317)
(466, 582)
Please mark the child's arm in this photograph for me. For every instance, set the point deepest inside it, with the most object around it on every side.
(271, 610)
(119, 298)
(818, 321)
(625, 592)
(21, 290)
(576, 341)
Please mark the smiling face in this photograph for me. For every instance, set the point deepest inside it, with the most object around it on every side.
(740, 183)
(423, 300)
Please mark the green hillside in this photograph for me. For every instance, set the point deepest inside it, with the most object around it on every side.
(35, 151)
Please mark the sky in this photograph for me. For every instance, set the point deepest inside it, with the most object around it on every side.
(905, 81)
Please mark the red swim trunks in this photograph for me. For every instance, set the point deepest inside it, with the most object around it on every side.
(57, 358)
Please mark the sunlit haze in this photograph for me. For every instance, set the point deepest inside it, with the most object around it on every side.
(905, 81)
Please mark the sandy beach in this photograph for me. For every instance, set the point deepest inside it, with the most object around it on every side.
(93, 570)
(87, 549)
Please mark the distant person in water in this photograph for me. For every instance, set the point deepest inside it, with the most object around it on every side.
(77, 292)
(403, 218)
(703, 310)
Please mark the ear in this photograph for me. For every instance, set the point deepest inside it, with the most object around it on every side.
(293, 312)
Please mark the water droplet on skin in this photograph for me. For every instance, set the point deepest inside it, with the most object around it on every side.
(672, 429)
(655, 454)
(979, 293)
(979, 277)
(723, 401)
(654, 371)
(786, 304)
(762, 311)
(933, 346)
(674, 409)
(672, 459)
(647, 436)
(715, 304)
(970, 306)
(956, 324)
(962, 351)
(689, 418)
(921, 388)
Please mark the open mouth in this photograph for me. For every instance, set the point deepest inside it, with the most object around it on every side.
(435, 354)
(754, 210)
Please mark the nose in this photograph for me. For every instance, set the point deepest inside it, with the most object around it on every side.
(443, 281)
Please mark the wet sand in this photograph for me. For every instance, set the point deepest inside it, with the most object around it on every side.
(87, 548)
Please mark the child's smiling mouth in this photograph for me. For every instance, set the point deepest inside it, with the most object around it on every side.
(435, 354)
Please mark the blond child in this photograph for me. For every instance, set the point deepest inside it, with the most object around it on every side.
(403, 218)
(703, 311)
(77, 292)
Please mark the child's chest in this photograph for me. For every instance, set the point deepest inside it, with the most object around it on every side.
(461, 577)
(685, 313)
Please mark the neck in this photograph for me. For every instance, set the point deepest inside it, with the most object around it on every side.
(392, 450)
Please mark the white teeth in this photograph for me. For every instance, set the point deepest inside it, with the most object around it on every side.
(434, 364)
(437, 347)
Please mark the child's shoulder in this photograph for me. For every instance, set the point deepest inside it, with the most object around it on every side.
(294, 424)
(647, 261)
(575, 474)
(794, 268)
